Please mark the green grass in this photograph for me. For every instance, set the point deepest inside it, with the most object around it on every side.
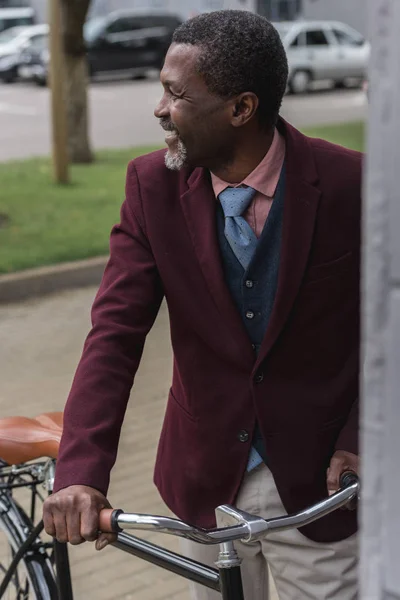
(350, 135)
(42, 224)
(48, 224)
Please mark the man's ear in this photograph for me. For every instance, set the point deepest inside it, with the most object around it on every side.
(244, 108)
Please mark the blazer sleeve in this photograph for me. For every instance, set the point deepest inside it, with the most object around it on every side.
(123, 312)
(348, 439)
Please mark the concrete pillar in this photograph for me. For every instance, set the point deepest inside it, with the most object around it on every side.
(380, 418)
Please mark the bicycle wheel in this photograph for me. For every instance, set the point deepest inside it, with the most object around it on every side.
(34, 577)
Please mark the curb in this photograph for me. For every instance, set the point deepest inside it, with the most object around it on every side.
(32, 283)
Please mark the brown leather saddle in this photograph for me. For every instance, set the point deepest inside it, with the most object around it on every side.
(23, 439)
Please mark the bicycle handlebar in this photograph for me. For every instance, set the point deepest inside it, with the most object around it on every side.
(233, 524)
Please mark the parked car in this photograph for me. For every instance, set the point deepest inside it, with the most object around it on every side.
(34, 61)
(123, 42)
(13, 42)
(16, 17)
(324, 50)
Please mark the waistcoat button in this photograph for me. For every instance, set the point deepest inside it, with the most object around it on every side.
(243, 436)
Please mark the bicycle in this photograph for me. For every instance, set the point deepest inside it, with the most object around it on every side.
(39, 569)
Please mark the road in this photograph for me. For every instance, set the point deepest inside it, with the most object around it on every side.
(37, 363)
(121, 114)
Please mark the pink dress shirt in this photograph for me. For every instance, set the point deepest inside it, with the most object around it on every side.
(264, 179)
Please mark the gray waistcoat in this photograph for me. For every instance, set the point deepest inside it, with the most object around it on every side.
(254, 290)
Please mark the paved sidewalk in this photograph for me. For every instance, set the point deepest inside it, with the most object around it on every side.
(41, 345)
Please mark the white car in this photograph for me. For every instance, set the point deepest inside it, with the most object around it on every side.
(13, 42)
(15, 17)
(323, 50)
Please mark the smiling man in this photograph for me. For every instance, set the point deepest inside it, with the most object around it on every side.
(251, 232)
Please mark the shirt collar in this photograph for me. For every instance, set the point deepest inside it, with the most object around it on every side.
(265, 176)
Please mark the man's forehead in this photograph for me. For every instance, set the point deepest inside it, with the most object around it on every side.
(180, 61)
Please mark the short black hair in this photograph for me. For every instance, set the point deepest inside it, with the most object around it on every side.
(240, 52)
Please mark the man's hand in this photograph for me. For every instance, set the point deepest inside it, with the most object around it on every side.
(72, 515)
(341, 462)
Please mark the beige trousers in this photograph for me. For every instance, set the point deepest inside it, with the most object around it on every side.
(301, 569)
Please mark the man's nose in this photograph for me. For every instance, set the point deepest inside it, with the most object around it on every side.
(161, 110)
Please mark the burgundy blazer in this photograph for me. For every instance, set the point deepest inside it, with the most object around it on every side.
(302, 388)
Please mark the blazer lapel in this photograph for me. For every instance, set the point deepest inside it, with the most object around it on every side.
(300, 210)
(199, 207)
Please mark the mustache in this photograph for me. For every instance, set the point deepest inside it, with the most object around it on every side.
(167, 125)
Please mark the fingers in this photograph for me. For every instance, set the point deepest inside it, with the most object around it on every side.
(73, 522)
(48, 521)
(341, 462)
(89, 523)
(105, 539)
(72, 515)
(60, 524)
(333, 475)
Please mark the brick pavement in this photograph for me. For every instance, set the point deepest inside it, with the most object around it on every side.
(41, 345)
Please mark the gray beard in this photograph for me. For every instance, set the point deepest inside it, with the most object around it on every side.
(176, 161)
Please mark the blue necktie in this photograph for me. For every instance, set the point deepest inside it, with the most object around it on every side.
(240, 236)
(243, 241)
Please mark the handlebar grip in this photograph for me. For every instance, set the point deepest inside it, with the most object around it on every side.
(108, 520)
(348, 478)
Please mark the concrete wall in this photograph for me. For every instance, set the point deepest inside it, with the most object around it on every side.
(380, 418)
(352, 12)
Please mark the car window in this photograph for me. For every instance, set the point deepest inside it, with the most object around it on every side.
(148, 22)
(346, 38)
(15, 4)
(172, 22)
(124, 25)
(297, 41)
(316, 37)
(154, 26)
(16, 22)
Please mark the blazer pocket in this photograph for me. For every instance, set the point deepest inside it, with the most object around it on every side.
(329, 269)
(172, 398)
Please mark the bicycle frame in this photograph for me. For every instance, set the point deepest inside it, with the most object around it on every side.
(226, 580)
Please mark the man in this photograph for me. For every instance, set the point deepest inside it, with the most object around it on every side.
(251, 231)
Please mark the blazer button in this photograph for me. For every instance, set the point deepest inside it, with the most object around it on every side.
(259, 378)
(243, 436)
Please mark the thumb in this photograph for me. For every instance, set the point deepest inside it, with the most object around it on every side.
(104, 540)
(333, 476)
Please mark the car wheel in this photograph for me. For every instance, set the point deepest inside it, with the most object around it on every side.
(40, 81)
(300, 82)
(10, 77)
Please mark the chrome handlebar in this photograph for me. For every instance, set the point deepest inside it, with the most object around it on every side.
(232, 523)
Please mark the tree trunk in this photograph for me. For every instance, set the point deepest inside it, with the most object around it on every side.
(76, 78)
(74, 14)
